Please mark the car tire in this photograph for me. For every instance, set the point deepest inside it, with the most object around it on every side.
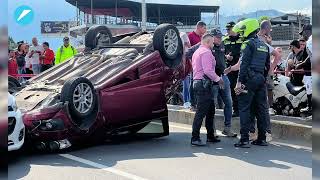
(13, 85)
(95, 34)
(166, 40)
(76, 91)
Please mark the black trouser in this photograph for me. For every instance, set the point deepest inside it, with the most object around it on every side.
(45, 67)
(205, 108)
(233, 77)
(191, 91)
(253, 120)
(255, 97)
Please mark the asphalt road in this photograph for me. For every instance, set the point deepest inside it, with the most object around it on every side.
(168, 158)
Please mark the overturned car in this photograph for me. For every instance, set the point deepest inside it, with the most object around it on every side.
(112, 88)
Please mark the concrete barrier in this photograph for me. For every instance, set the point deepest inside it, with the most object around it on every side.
(283, 127)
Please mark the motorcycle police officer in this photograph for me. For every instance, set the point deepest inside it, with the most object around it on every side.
(251, 86)
(232, 43)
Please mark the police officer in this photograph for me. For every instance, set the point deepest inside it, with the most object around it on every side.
(251, 86)
(232, 42)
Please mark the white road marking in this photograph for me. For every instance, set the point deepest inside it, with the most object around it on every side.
(102, 167)
(24, 13)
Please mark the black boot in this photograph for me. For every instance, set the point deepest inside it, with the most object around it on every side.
(235, 114)
(212, 138)
(309, 108)
(242, 144)
(260, 142)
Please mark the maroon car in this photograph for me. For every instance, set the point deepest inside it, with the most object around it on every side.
(112, 88)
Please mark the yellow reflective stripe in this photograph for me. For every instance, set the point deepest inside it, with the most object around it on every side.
(262, 49)
(243, 46)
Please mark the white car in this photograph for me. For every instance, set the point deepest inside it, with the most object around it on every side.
(16, 130)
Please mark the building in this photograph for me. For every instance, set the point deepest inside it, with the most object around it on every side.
(287, 27)
(125, 16)
(126, 12)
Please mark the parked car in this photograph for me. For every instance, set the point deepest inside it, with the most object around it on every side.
(16, 128)
(113, 88)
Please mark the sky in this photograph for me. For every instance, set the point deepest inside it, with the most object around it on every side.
(59, 10)
(3, 13)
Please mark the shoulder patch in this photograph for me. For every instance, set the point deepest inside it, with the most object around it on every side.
(263, 49)
(225, 38)
(244, 44)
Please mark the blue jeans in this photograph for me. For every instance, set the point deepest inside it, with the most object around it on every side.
(186, 87)
(36, 68)
(21, 70)
(225, 95)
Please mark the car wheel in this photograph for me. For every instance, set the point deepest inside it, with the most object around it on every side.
(82, 98)
(166, 40)
(13, 85)
(98, 36)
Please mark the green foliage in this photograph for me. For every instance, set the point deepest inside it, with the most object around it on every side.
(262, 18)
(11, 43)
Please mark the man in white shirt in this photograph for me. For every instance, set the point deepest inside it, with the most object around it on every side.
(306, 34)
(34, 54)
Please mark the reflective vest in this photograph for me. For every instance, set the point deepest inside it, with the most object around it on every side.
(64, 53)
(259, 55)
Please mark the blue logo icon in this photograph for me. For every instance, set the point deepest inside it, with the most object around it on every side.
(23, 15)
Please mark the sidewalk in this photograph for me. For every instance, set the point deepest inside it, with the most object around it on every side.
(283, 127)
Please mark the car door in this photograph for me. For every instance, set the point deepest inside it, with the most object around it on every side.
(135, 101)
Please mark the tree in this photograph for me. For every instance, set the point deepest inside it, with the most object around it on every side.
(11, 43)
(262, 18)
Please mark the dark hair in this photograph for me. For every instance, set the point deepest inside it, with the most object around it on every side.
(201, 24)
(46, 43)
(295, 43)
(19, 46)
(302, 40)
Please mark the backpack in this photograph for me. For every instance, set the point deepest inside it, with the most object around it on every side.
(21, 61)
(61, 49)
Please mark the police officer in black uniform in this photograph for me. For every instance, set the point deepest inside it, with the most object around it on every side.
(251, 86)
(232, 42)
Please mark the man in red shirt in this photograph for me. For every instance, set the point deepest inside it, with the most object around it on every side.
(195, 36)
(12, 64)
(47, 58)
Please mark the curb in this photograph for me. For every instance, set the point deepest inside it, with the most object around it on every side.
(283, 127)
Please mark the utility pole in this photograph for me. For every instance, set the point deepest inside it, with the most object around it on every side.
(77, 13)
(116, 11)
(144, 15)
(91, 11)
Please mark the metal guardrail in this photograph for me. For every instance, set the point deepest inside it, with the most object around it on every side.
(179, 21)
